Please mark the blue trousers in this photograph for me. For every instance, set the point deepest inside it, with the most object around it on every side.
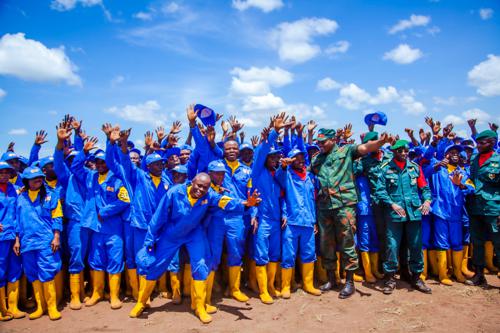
(297, 239)
(427, 242)
(129, 240)
(10, 264)
(448, 234)
(215, 231)
(236, 231)
(106, 253)
(78, 245)
(41, 264)
(166, 248)
(367, 234)
(267, 242)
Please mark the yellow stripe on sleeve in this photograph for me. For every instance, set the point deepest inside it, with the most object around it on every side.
(57, 212)
(224, 200)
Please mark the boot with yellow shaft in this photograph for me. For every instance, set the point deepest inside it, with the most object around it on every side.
(49, 292)
(97, 286)
(74, 287)
(443, 268)
(272, 270)
(114, 291)
(146, 287)
(261, 275)
(40, 300)
(286, 280)
(199, 289)
(13, 299)
(234, 284)
(4, 315)
(175, 284)
(308, 279)
(365, 258)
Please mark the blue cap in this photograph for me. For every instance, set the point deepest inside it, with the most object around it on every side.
(186, 147)
(313, 146)
(180, 169)
(419, 150)
(44, 161)
(135, 150)
(244, 146)
(4, 165)
(130, 144)
(72, 153)
(273, 151)
(294, 152)
(206, 114)
(216, 166)
(32, 172)
(172, 151)
(24, 160)
(457, 147)
(151, 158)
(10, 155)
(100, 156)
(376, 118)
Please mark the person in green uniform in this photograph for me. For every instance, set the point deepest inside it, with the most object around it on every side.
(336, 204)
(402, 188)
(485, 208)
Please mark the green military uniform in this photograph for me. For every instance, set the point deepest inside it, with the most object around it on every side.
(401, 187)
(336, 202)
(485, 207)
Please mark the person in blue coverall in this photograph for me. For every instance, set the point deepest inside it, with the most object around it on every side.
(449, 185)
(13, 160)
(300, 226)
(267, 239)
(178, 222)
(105, 200)
(10, 263)
(38, 228)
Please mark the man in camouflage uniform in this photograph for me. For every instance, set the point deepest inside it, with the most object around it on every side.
(485, 208)
(336, 203)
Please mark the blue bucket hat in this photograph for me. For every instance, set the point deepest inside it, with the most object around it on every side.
(186, 147)
(172, 151)
(44, 161)
(155, 157)
(100, 156)
(273, 151)
(72, 153)
(206, 114)
(10, 155)
(376, 118)
(32, 172)
(4, 165)
(180, 169)
(244, 146)
(294, 152)
(457, 147)
(216, 166)
(24, 160)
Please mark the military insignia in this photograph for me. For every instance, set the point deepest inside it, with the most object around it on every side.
(109, 188)
(204, 202)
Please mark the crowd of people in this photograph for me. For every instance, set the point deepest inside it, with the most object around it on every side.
(288, 209)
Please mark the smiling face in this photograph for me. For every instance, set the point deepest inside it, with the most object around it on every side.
(299, 163)
(173, 161)
(453, 156)
(200, 185)
(184, 156)
(135, 158)
(231, 150)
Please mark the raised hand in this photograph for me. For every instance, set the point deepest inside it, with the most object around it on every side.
(148, 139)
(422, 135)
(493, 126)
(384, 138)
(172, 140)
(11, 145)
(265, 134)
(436, 128)
(63, 132)
(40, 137)
(429, 121)
(176, 127)
(115, 134)
(409, 131)
(242, 136)
(191, 115)
(225, 127)
(255, 141)
(447, 130)
(218, 116)
(90, 144)
(124, 135)
(278, 121)
(160, 133)
(311, 125)
(347, 131)
(77, 125)
(107, 128)
(211, 135)
(252, 199)
(471, 122)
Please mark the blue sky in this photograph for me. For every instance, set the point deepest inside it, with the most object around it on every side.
(139, 63)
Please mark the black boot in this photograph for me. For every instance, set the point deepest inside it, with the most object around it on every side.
(332, 282)
(349, 287)
(418, 284)
(389, 284)
(478, 279)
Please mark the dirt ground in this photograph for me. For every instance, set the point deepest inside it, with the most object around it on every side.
(449, 309)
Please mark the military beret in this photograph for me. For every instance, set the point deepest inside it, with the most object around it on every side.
(399, 144)
(370, 136)
(488, 134)
(325, 134)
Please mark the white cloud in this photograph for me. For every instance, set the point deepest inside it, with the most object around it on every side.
(265, 5)
(293, 40)
(413, 21)
(64, 5)
(2, 93)
(148, 113)
(30, 60)
(327, 84)
(340, 47)
(258, 81)
(353, 97)
(145, 16)
(18, 131)
(445, 101)
(475, 113)
(170, 8)
(117, 80)
(265, 102)
(486, 76)
(403, 54)
(453, 119)
(486, 13)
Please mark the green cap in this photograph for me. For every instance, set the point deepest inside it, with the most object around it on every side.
(325, 134)
(400, 144)
(370, 136)
(488, 134)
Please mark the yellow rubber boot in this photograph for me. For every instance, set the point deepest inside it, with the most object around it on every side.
(114, 291)
(13, 299)
(337, 270)
(432, 254)
(97, 286)
(208, 300)
(261, 274)
(40, 300)
(365, 258)
(199, 289)
(320, 272)
(272, 269)
(308, 279)
(4, 315)
(286, 280)
(425, 272)
(146, 287)
(356, 277)
(59, 283)
(374, 261)
(175, 284)
(133, 281)
(74, 287)
(234, 284)
(465, 269)
(488, 257)
(443, 268)
(186, 280)
(252, 276)
(457, 265)
(49, 292)
(162, 286)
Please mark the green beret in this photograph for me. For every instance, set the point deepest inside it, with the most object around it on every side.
(370, 136)
(488, 134)
(325, 134)
(400, 144)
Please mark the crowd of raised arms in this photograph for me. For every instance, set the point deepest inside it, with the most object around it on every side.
(288, 209)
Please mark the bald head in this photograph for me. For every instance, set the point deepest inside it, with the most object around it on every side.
(200, 185)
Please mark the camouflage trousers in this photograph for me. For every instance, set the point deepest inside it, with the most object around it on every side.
(337, 228)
